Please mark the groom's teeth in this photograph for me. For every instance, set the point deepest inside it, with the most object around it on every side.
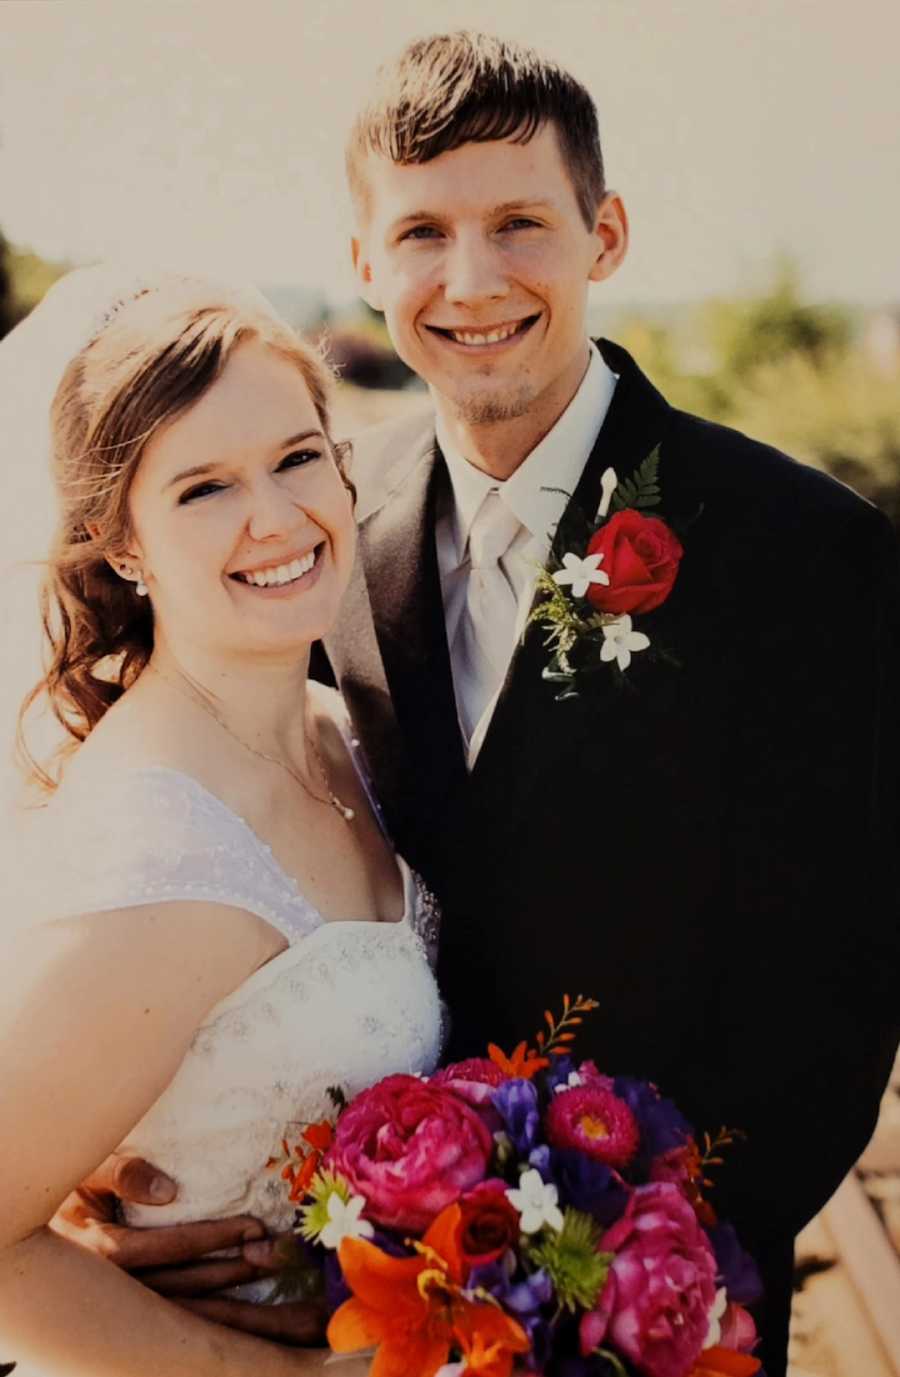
(486, 337)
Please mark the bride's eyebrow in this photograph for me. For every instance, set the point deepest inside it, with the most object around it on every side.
(197, 469)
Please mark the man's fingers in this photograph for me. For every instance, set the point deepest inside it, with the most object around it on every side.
(132, 1179)
(270, 1254)
(200, 1278)
(298, 1322)
(135, 1249)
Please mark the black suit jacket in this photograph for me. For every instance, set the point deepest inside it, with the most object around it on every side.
(709, 851)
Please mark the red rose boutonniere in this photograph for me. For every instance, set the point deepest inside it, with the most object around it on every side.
(627, 565)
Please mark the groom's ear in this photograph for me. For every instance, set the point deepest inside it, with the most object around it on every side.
(611, 237)
(364, 275)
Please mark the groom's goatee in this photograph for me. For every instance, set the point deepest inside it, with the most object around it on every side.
(482, 411)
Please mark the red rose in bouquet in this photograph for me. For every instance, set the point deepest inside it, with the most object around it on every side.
(409, 1149)
(641, 555)
(488, 1224)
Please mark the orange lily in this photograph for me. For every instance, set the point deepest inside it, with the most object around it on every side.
(725, 1362)
(488, 1349)
(523, 1064)
(413, 1310)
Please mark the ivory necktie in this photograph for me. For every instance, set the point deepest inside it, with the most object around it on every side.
(484, 635)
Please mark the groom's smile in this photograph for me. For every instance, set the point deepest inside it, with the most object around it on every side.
(485, 338)
(480, 260)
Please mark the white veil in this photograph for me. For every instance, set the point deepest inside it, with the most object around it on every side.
(33, 358)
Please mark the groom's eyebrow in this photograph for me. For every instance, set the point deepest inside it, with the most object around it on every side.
(520, 203)
(197, 469)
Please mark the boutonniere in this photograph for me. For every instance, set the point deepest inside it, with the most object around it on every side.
(602, 574)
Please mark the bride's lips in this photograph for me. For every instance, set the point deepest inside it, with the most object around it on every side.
(486, 339)
(285, 590)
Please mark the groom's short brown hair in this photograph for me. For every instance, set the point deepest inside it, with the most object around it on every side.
(451, 89)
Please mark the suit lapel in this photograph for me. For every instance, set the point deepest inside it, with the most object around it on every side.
(398, 555)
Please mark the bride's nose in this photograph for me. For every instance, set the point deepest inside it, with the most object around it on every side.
(273, 512)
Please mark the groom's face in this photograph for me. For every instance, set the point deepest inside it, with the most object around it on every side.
(480, 261)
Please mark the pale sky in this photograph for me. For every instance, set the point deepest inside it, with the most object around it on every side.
(211, 135)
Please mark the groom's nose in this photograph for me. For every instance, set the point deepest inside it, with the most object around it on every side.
(473, 272)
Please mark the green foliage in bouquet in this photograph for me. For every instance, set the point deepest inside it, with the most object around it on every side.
(578, 1271)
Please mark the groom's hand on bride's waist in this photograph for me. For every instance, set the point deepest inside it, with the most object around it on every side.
(174, 1259)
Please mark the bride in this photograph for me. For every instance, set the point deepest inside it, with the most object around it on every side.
(217, 929)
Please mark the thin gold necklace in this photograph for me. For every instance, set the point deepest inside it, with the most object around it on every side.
(332, 801)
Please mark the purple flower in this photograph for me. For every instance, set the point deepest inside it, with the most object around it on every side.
(662, 1125)
(736, 1267)
(589, 1185)
(526, 1298)
(516, 1102)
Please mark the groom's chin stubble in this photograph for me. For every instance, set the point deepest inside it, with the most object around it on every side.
(488, 409)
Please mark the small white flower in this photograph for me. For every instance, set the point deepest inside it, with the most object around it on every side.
(536, 1203)
(581, 573)
(720, 1304)
(619, 641)
(571, 1084)
(344, 1221)
(608, 484)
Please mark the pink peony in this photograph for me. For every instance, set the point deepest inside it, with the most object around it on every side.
(409, 1148)
(474, 1081)
(655, 1307)
(738, 1329)
(596, 1122)
(590, 1075)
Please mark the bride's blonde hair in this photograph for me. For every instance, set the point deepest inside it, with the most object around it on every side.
(156, 356)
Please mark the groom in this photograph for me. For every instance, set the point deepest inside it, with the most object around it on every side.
(704, 840)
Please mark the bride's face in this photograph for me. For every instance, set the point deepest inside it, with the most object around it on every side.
(241, 523)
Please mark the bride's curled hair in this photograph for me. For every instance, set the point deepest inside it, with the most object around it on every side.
(154, 356)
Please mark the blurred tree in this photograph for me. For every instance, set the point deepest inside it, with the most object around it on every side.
(24, 278)
(7, 315)
(749, 333)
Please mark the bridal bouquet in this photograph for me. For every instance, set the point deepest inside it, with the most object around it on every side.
(524, 1209)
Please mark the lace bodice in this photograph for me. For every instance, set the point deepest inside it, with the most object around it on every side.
(346, 1002)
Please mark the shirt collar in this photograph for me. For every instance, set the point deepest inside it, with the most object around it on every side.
(557, 462)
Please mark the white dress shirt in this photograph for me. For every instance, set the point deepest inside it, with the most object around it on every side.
(557, 462)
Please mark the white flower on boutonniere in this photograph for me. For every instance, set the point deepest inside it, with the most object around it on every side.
(619, 642)
(536, 1203)
(608, 484)
(581, 573)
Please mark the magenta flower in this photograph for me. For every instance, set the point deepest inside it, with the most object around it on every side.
(474, 1081)
(656, 1305)
(593, 1120)
(410, 1149)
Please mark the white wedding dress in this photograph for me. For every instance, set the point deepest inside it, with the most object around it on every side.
(346, 1003)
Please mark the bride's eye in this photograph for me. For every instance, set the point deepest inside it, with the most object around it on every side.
(298, 457)
(201, 490)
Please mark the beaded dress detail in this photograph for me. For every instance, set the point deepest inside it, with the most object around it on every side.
(346, 1003)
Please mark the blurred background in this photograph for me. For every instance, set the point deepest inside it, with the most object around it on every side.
(756, 147)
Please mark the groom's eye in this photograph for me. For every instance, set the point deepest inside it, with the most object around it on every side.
(421, 232)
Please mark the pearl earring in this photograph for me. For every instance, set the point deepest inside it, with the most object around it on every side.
(140, 587)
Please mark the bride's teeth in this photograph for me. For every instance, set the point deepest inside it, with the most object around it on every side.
(281, 574)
